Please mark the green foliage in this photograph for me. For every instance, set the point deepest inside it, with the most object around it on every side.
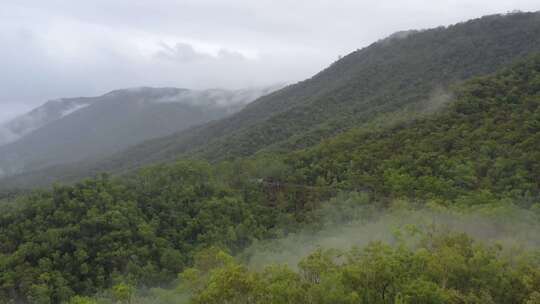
(441, 268)
(123, 292)
(79, 239)
(82, 300)
(483, 147)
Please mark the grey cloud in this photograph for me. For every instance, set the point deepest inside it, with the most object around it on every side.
(181, 52)
(224, 54)
(184, 52)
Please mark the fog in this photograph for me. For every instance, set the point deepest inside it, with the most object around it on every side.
(358, 224)
(60, 48)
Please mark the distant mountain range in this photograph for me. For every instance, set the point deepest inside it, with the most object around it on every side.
(74, 129)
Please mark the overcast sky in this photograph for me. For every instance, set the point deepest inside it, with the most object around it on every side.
(65, 48)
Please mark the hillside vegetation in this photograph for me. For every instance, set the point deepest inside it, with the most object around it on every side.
(486, 143)
(443, 268)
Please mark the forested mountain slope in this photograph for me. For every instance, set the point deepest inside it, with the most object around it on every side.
(481, 150)
(485, 144)
(383, 77)
(409, 71)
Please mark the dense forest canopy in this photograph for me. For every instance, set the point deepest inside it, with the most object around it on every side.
(444, 268)
(484, 144)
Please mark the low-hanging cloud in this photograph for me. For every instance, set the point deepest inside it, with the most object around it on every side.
(358, 225)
